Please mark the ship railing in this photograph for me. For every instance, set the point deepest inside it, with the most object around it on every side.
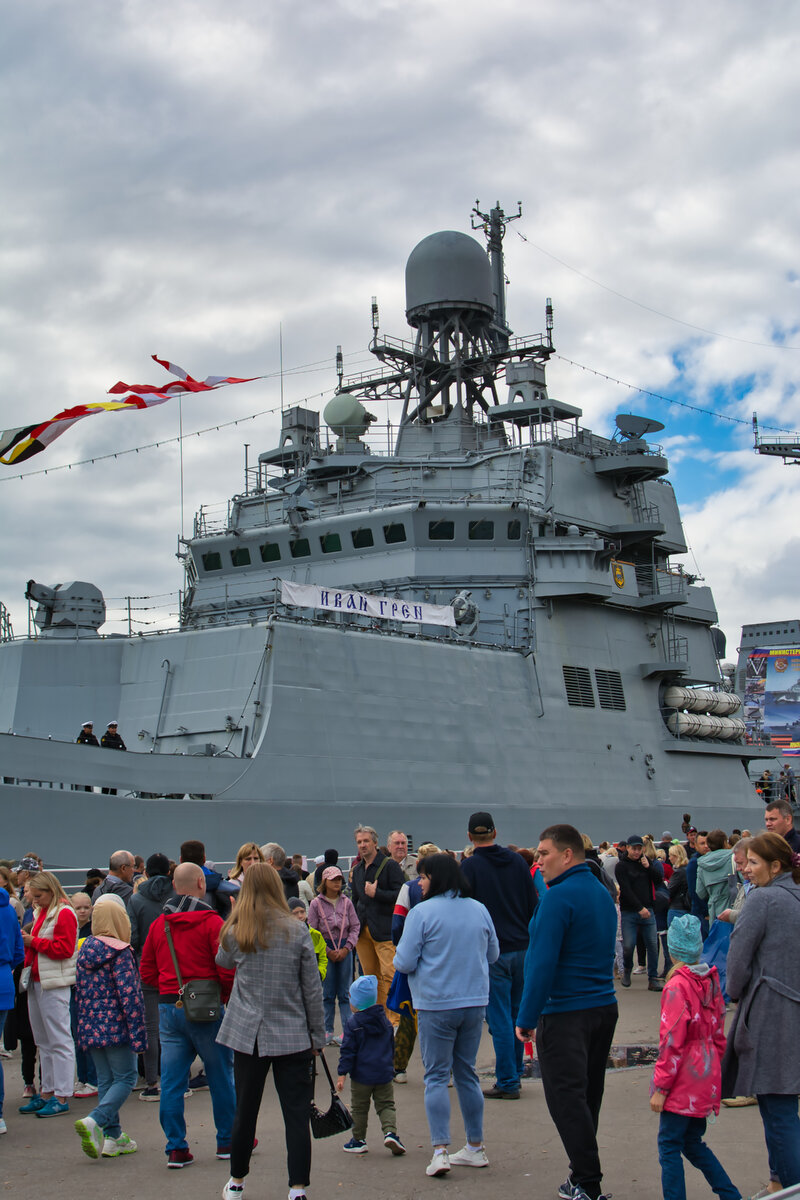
(644, 514)
(658, 581)
(72, 879)
(677, 648)
(6, 632)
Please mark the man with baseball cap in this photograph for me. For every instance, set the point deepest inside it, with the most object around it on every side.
(501, 880)
(636, 877)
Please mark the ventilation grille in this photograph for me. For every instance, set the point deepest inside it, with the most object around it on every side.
(578, 683)
(609, 690)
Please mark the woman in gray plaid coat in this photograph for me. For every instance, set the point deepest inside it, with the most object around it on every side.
(273, 1019)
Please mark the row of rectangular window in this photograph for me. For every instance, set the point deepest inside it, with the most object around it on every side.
(331, 543)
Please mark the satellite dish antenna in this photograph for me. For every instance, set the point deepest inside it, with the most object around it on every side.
(631, 426)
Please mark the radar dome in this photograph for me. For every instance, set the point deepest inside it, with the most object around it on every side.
(448, 270)
(346, 416)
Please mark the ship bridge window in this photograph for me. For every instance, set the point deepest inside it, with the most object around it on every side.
(609, 690)
(212, 561)
(441, 531)
(481, 531)
(270, 552)
(240, 556)
(394, 533)
(330, 543)
(514, 531)
(300, 548)
(362, 538)
(578, 682)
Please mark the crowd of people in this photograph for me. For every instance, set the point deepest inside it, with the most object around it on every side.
(155, 964)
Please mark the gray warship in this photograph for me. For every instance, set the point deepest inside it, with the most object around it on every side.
(480, 612)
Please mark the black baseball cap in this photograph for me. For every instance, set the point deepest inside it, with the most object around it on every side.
(635, 840)
(481, 822)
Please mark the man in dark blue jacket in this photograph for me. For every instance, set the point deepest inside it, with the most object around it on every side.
(569, 1004)
(501, 879)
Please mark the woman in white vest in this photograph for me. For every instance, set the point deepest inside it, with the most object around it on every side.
(51, 951)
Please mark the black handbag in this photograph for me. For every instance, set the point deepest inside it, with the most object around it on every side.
(337, 1119)
(200, 999)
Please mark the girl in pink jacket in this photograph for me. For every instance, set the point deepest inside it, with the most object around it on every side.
(686, 1079)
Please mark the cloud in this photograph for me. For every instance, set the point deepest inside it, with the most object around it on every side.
(197, 179)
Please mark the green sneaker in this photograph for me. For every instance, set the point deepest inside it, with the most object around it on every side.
(113, 1147)
(91, 1136)
(33, 1105)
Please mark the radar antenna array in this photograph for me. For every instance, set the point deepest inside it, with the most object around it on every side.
(632, 426)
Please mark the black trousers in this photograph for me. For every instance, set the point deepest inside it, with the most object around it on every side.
(293, 1083)
(572, 1048)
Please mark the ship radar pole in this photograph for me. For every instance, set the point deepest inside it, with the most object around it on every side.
(494, 225)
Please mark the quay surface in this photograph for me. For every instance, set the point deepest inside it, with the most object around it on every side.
(44, 1158)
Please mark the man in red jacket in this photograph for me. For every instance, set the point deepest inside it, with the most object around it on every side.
(195, 933)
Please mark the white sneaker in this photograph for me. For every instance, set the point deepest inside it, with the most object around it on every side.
(113, 1147)
(639, 970)
(232, 1191)
(84, 1089)
(439, 1164)
(470, 1158)
(3, 1126)
(91, 1136)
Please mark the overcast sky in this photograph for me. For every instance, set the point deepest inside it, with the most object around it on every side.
(184, 179)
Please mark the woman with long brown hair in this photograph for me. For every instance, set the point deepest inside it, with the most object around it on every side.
(51, 950)
(274, 1019)
(763, 1056)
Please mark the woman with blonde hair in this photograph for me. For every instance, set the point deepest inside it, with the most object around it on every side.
(110, 1024)
(247, 856)
(273, 1019)
(51, 951)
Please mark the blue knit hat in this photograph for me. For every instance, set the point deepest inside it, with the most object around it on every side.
(684, 939)
(364, 992)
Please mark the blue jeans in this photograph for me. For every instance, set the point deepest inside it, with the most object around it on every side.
(506, 977)
(631, 924)
(84, 1064)
(181, 1040)
(679, 1135)
(449, 1041)
(782, 1135)
(116, 1076)
(336, 986)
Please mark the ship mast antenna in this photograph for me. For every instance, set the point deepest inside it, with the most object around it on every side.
(494, 224)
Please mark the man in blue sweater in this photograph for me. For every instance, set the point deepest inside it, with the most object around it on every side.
(569, 1004)
(501, 880)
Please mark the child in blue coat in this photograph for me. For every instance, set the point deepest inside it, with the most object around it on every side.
(367, 1056)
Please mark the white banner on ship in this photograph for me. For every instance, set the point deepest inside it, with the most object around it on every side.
(305, 595)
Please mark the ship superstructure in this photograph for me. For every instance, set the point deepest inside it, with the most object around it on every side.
(509, 629)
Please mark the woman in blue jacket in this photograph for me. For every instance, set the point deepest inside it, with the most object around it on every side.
(12, 953)
(447, 945)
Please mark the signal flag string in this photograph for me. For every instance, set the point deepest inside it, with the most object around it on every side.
(647, 307)
(707, 412)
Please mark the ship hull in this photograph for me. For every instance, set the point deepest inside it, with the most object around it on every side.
(391, 731)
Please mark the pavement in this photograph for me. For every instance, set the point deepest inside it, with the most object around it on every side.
(44, 1159)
